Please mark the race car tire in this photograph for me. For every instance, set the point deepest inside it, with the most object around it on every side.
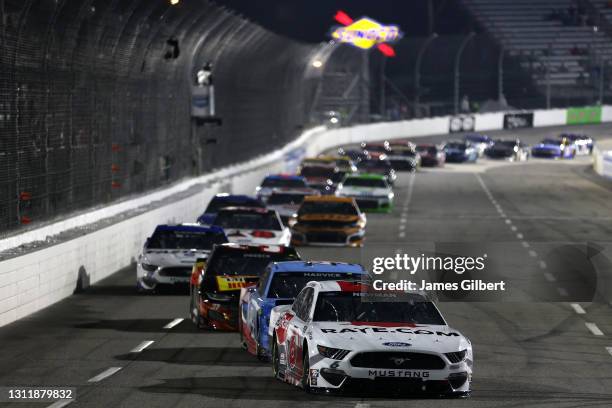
(196, 318)
(275, 359)
(259, 352)
(306, 370)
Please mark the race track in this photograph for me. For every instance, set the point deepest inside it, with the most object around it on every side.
(539, 347)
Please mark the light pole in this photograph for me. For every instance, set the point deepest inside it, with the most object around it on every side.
(464, 44)
(417, 73)
(500, 75)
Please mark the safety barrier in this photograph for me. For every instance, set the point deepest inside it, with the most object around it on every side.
(33, 281)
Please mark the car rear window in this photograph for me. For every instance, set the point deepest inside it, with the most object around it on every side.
(237, 262)
(248, 220)
(176, 239)
(327, 207)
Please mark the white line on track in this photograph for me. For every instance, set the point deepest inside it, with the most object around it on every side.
(403, 220)
(525, 244)
(142, 346)
(362, 405)
(577, 308)
(542, 265)
(104, 374)
(533, 253)
(594, 329)
(60, 403)
(550, 277)
(519, 235)
(509, 222)
(609, 349)
(402, 226)
(402, 235)
(173, 323)
(409, 192)
(513, 228)
(562, 291)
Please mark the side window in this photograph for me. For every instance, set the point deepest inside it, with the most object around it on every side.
(307, 304)
(298, 303)
(263, 281)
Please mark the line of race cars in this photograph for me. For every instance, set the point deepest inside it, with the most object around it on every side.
(320, 324)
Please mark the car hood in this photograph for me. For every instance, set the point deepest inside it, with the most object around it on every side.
(388, 336)
(173, 257)
(364, 191)
(547, 146)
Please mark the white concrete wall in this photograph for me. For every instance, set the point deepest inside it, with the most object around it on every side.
(31, 282)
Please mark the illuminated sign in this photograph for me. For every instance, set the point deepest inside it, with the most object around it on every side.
(365, 33)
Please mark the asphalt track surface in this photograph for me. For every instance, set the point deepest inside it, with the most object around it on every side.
(539, 348)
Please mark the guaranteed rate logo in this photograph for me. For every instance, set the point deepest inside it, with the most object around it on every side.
(366, 33)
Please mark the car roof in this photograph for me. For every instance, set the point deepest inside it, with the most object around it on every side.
(283, 177)
(367, 176)
(256, 210)
(189, 228)
(235, 197)
(358, 286)
(273, 249)
(317, 266)
(294, 190)
(328, 199)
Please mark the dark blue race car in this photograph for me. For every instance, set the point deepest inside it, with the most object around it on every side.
(554, 149)
(460, 152)
(279, 285)
(227, 200)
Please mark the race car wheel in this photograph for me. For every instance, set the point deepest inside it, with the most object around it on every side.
(259, 352)
(306, 370)
(196, 318)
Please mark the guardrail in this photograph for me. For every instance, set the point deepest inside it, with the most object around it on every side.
(38, 279)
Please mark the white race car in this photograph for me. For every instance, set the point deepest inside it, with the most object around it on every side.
(169, 253)
(252, 226)
(372, 192)
(341, 335)
(287, 201)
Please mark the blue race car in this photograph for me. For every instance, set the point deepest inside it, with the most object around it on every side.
(279, 285)
(480, 142)
(227, 200)
(274, 181)
(460, 152)
(554, 149)
(583, 143)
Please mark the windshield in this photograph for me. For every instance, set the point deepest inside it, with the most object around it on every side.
(427, 149)
(289, 284)
(327, 207)
(248, 220)
(173, 239)
(507, 143)
(222, 202)
(317, 171)
(245, 263)
(281, 182)
(285, 198)
(365, 182)
(374, 164)
(352, 307)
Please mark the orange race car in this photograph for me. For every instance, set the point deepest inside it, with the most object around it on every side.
(328, 220)
(216, 282)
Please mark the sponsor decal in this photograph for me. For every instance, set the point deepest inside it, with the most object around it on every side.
(228, 283)
(396, 344)
(586, 115)
(314, 374)
(403, 330)
(398, 373)
(462, 123)
(518, 120)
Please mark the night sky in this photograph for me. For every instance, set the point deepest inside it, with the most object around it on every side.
(311, 20)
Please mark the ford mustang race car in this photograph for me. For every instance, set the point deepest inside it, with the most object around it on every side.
(371, 192)
(245, 225)
(271, 182)
(460, 152)
(287, 201)
(380, 166)
(170, 252)
(322, 178)
(403, 156)
(329, 220)
(554, 149)
(480, 142)
(377, 150)
(227, 200)
(431, 155)
(510, 149)
(338, 336)
(279, 285)
(215, 283)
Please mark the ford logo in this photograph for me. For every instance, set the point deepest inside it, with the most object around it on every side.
(397, 344)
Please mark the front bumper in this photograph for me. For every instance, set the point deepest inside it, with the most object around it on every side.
(328, 237)
(371, 204)
(167, 275)
(546, 153)
(452, 379)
